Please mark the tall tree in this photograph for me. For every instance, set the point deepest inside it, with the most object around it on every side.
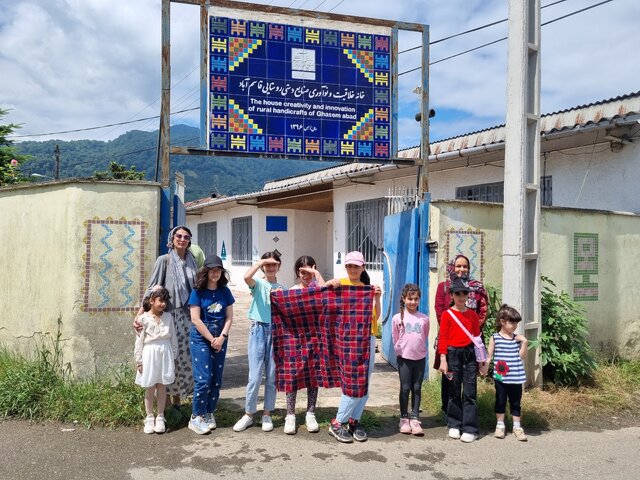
(9, 159)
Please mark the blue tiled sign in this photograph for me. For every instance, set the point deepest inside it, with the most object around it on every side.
(292, 90)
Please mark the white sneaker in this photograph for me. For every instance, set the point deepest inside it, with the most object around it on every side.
(267, 424)
(311, 422)
(454, 433)
(210, 420)
(468, 437)
(198, 425)
(290, 424)
(160, 426)
(149, 424)
(245, 422)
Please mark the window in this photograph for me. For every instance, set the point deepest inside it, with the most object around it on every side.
(208, 237)
(241, 244)
(365, 230)
(494, 192)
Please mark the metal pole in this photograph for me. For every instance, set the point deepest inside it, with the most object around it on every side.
(166, 93)
(424, 114)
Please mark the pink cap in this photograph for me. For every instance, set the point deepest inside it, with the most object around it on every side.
(354, 258)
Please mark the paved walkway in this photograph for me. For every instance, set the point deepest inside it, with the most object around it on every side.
(383, 389)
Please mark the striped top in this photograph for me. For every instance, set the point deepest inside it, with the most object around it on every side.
(507, 351)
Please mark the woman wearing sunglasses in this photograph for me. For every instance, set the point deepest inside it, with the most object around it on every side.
(176, 271)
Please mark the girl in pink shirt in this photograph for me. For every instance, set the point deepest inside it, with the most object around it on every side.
(409, 331)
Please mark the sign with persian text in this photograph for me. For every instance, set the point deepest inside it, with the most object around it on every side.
(292, 89)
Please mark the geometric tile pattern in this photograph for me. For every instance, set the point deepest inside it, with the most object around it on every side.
(113, 265)
(286, 89)
(585, 265)
(469, 243)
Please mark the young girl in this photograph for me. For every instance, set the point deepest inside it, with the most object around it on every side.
(260, 345)
(155, 352)
(409, 331)
(308, 276)
(508, 351)
(458, 363)
(211, 304)
(346, 426)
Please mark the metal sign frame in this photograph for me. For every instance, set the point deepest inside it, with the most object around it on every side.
(202, 150)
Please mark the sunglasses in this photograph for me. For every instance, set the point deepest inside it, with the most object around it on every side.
(184, 237)
(461, 293)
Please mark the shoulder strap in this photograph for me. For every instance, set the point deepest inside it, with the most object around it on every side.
(464, 329)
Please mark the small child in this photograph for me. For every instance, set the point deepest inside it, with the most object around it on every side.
(508, 351)
(156, 348)
(409, 331)
(260, 344)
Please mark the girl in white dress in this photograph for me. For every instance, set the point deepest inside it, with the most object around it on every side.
(155, 352)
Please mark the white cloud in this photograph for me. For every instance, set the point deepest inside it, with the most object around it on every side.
(69, 64)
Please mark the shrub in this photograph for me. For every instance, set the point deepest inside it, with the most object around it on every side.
(567, 357)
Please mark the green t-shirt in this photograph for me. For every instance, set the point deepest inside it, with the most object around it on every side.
(260, 308)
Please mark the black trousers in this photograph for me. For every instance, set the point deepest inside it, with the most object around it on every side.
(411, 374)
(462, 409)
(512, 391)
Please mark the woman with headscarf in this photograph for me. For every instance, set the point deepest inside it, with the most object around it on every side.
(176, 271)
(477, 301)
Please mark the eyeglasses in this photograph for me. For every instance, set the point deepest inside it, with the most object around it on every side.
(461, 293)
(184, 237)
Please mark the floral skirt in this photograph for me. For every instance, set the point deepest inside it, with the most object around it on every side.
(183, 384)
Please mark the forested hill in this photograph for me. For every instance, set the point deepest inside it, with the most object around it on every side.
(203, 175)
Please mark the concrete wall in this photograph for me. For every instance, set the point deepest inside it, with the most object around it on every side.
(585, 253)
(81, 252)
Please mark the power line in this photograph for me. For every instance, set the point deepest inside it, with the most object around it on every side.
(401, 73)
(101, 126)
(505, 38)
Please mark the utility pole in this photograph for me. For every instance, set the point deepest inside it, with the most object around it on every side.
(56, 170)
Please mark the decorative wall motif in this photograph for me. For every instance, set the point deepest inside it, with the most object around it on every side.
(585, 264)
(113, 265)
(469, 243)
(286, 89)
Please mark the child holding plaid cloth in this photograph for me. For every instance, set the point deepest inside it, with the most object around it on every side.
(346, 426)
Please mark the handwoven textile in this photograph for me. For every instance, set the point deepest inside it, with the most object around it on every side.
(321, 338)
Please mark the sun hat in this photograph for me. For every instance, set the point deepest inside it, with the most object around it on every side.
(354, 258)
(213, 261)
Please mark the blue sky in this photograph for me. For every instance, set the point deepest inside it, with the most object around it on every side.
(72, 64)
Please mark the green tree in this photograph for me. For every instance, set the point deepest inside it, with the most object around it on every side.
(9, 159)
(119, 172)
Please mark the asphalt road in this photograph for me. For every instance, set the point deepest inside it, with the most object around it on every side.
(55, 451)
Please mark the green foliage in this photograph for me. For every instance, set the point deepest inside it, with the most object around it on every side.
(226, 176)
(567, 357)
(119, 172)
(493, 305)
(10, 160)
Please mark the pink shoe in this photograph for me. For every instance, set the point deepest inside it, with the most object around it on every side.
(416, 427)
(405, 426)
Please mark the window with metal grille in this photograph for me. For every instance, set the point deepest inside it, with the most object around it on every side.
(208, 237)
(494, 192)
(241, 244)
(365, 230)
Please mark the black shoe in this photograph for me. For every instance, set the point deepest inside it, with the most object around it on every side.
(357, 431)
(340, 432)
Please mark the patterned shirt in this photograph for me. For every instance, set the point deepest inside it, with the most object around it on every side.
(507, 353)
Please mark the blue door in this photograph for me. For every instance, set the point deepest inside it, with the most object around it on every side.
(406, 261)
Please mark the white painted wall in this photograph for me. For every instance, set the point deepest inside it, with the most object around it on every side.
(313, 237)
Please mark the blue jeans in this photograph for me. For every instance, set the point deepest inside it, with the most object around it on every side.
(353, 407)
(260, 353)
(207, 370)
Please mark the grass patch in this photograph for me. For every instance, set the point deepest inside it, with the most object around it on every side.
(613, 393)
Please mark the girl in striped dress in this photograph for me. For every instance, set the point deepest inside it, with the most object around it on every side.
(508, 351)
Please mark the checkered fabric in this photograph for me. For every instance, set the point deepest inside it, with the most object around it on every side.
(321, 338)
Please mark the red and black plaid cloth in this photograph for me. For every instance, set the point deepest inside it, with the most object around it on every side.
(321, 338)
